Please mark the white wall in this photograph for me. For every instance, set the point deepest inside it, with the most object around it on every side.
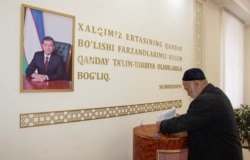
(233, 52)
(103, 139)
(212, 43)
(246, 153)
(247, 65)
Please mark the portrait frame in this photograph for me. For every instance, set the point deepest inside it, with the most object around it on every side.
(37, 23)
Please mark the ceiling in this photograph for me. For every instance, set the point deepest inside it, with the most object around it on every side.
(241, 8)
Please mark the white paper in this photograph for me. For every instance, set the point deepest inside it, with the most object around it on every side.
(170, 113)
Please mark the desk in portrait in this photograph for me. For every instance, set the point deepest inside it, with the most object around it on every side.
(29, 85)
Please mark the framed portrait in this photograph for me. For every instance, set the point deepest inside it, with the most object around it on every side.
(47, 42)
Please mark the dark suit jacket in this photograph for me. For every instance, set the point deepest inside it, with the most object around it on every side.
(211, 126)
(55, 70)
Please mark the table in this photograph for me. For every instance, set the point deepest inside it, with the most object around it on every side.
(146, 142)
(30, 85)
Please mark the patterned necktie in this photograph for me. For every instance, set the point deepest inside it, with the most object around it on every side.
(46, 63)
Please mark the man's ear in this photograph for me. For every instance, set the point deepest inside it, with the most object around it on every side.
(197, 83)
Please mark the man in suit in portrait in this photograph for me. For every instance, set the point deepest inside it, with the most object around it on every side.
(46, 65)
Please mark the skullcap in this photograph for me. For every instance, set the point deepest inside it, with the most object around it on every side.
(193, 74)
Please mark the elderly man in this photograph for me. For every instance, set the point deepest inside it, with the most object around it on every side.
(209, 121)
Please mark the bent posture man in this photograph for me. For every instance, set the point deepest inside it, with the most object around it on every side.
(209, 121)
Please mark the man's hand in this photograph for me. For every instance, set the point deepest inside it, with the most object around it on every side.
(38, 77)
(180, 134)
(158, 125)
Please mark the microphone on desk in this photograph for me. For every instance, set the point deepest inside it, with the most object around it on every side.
(156, 135)
(142, 122)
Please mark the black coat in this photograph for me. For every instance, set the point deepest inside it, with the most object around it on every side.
(56, 66)
(210, 122)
